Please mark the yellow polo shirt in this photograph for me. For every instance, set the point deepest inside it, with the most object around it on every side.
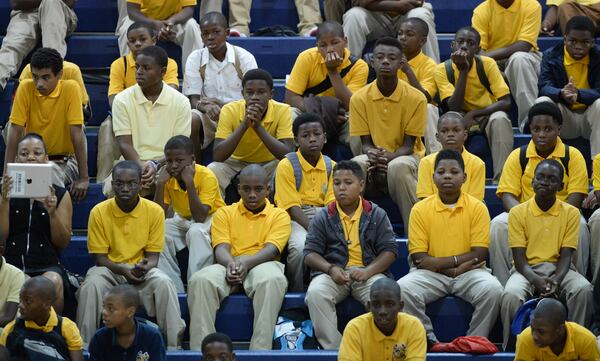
(206, 187)
(474, 167)
(596, 171)
(11, 281)
(310, 70)
(518, 182)
(70, 72)
(543, 234)
(69, 330)
(582, 2)
(476, 96)
(121, 79)
(424, 69)
(49, 115)
(125, 237)
(429, 230)
(161, 9)
(363, 341)
(315, 189)
(246, 232)
(581, 344)
(277, 122)
(351, 234)
(578, 69)
(388, 119)
(500, 27)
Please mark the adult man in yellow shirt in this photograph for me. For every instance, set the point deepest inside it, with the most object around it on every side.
(389, 116)
(561, 11)
(248, 238)
(125, 236)
(52, 107)
(515, 51)
(384, 327)
(542, 235)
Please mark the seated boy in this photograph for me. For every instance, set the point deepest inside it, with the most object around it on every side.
(122, 76)
(545, 122)
(542, 233)
(515, 51)
(452, 134)
(38, 324)
(389, 116)
(384, 327)
(447, 240)
(48, 20)
(192, 190)
(172, 20)
(561, 11)
(349, 245)
(218, 346)
(418, 70)
(327, 70)
(552, 337)
(123, 336)
(125, 237)
(213, 77)
(569, 78)
(248, 238)
(11, 279)
(473, 85)
(594, 224)
(253, 130)
(303, 184)
(51, 107)
(146, 115)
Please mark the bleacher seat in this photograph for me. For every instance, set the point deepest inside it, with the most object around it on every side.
(81, 210)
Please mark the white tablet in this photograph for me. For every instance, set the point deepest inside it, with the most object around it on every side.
(30, 180)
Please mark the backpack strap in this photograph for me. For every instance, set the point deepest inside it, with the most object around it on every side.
(236, 64)
(328, 169)
(293, 158)
(483, 79)
(125, 63)
(564, 160)
(326, 83)
(449, 71)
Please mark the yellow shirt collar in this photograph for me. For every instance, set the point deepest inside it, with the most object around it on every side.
(375, 94)
(50, 324)
(307, 167)
(118, 212)
(354, 217)
(558, 152)
(243, 210)
(130, 60)
(54, 94)
(163, 98)
(536, 211)
(417, 60)
(441, 207)
(570, 61)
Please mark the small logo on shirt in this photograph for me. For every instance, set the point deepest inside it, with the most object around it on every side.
(142, 356)
(399, 352)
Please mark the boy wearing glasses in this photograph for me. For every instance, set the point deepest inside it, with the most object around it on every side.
(570, 77)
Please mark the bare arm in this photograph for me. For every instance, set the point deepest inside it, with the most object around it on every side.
(341, 90)
(294, 100)
(412, 80)
(266, 254)
(507, 51)
(25, 4)
(503, 104)
(439, 264)
(10, 312)
(381, 264)
(182, 17)
(134, 11)
(405, 149)
(224, 148)
(127, 150)
(223, 254)
(279, 148)
(14, 134)
(576, 199)
(564, 262)
(456, 101)
(60, 222)
(523, 267)
(198, 209)
(550, 20)
(298, 216)
(317, 262)
(400, 6)
(80, 186)
(509, 200)
(110, 100)
(76, 355)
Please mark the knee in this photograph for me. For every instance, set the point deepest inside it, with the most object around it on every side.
(315, 297)
(191, 25)
(196, 122)
(491, 289)
(407, 294)
(518, 59)
(543, 99)
(510, 297)
(52, 3)
(423, 13)
(355, 17)
(596, 105)
(400, 168)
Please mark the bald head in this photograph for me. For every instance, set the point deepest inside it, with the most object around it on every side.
(214, 17)
(41, 287)
(385, 284)
(253, 170)
(551, 310)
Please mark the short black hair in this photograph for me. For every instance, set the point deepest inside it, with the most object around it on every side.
(332, 27)
(545, 108)
(254, 169)
(388, 41)
(551, 310)
(350, 165)
(305, 118)
(35, 136)
(582, 23)
(214, 17)
(451, 114)
(180, 142)
(157, 53)
(449, 154)
(127, 164)
(471, 30)
(554, 164)
(45, 58)
(142, 25)
(4, 355)
(387, 284)
(217, 337)
(42, 287)
(420, 24)
(258, 74)
(128, 294)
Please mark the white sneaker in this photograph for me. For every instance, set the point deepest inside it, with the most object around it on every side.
(236, 33)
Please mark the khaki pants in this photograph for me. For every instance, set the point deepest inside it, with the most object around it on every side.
(432, 145)
(478, 287)
(265, 284)
(568, 9)
(52, 21)
(594, 224)
(334, 9)
(108, 149)
(294, 267)
(362, 25)
(225, 171)
(499, 134)
(186, 35)
(522, 72)
(402, 181)
(179, 234)
(500, 253)
(208, 127)
(580, 124)
(574, 289)
(322, 296)
(157, 294)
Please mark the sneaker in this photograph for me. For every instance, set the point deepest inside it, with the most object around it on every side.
(312, 32)
(236, 33)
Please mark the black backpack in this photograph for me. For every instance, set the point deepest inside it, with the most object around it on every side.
(275, 30)
(523, 160)
(26, 344)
